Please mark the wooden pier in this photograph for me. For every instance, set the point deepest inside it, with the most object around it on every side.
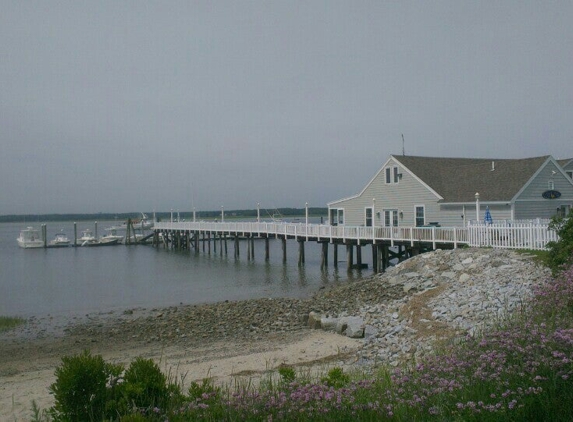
(386, 243)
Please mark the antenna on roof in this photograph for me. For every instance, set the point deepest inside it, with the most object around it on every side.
(403, 148)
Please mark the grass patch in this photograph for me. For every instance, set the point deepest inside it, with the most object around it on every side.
(7, 323)
(539, 257)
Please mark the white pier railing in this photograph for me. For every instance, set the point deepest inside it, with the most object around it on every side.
(434, 235)
(528, 235)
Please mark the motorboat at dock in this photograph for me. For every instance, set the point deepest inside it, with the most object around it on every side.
(131, 231)
(30, 238)
(60, 241)
(88, 239)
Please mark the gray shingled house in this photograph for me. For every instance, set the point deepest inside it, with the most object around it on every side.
(567, 165)
(416, 191)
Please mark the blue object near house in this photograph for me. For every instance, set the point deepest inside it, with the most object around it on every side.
(487, 218)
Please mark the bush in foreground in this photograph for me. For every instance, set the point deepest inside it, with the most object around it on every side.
(84, 385)
(561, 252)
(89, 389)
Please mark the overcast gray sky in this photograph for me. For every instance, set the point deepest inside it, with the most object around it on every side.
(119, 106)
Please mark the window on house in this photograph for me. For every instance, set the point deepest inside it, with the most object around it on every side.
(551, 185)
(563, 210)
(341, 216)
(368, 217)
(333, 216)
(392, 175)
(420, 216)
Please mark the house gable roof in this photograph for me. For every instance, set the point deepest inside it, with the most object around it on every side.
(458, 179)
(565, 162)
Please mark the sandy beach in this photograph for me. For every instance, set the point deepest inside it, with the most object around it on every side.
(31, 353)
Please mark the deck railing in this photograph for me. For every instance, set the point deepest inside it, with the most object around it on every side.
(512, 235)
(524, 235)
(453, 235)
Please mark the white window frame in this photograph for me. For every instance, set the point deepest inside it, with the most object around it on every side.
(337, 213)
(416, 214)
(392, 175)
(551, 185)
(388, 175)
(392, 216)
(340, 216)
(333, 216)
(366, 216)
(563, 210)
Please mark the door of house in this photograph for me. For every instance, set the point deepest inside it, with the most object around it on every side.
(391, 218)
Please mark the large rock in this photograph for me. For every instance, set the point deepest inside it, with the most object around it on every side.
(329, 324)
(314, 321)
(352, 326)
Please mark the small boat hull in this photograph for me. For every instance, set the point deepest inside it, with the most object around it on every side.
(104, 242)
(27, 244)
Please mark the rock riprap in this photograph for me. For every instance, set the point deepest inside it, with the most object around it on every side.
(455, 293)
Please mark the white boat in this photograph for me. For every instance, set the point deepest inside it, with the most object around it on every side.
(142, 223)
(107, 241)
(112, 235)
(30, 238)
(136, 234)
(60, 241)
(88, 239)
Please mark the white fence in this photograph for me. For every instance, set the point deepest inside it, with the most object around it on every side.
(434, 235)
(511, 235)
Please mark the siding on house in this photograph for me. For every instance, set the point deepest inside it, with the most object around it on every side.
(401, 196)
(567, 165)
(451, 214)
(529, 203)
(446, 187)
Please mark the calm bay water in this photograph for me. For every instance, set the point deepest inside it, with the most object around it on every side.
(76, 281)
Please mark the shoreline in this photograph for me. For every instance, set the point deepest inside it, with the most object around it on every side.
(428, 299)
(28, 365)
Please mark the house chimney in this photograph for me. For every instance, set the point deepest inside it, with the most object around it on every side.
(492, 165)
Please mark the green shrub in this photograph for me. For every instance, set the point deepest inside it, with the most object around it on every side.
(205, 392)
(336, 378)
(84, 384)
(145, 386)
(287, 373)
(561, 252)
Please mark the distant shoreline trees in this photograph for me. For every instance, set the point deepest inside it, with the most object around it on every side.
(187, 215)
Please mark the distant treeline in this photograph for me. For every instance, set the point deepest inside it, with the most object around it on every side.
(187, 215)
